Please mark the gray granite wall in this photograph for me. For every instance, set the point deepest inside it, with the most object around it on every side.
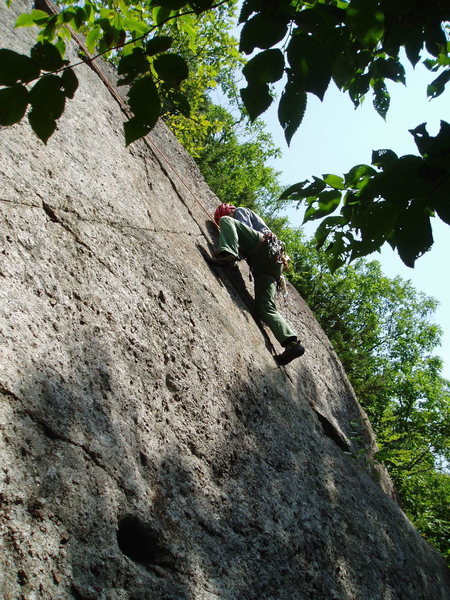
(151, 449)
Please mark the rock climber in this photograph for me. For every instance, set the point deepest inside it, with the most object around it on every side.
(244, 234)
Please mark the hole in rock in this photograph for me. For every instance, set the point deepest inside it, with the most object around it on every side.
(140, 542)
(50, 212)
(330, 431)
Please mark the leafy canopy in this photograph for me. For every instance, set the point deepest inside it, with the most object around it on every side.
(306, 44)
(391, 201)
(302, 45)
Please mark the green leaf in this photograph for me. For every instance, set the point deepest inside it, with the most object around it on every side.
(265, 67)
(434, 147)
(304, 189)
(334, 181)
(69, 82)
(377, 220)
(179, 102)
(358, 176)
(144, 101)
(49, 30)
(319, 20)
(261, 32)
(47, 56)
(413, 234)
(435, 38)
(92, 38)
(158, 44)
(13, 104)
(381, 99)
(171, 68)
(132, 65)
(160, 14)
(248, 8)
(401, 181)
(48, 101)
(16, 67)
(359, 87)
(47, 98)
(413, 48)
(325, 228)
(80, 17)
(256, 98)
(291, 109)
(311, 63)
(390, 68)
(42, 125)
(383, 158)
(66, 16)
(329, 200)
(36, 17)
(436, 88)
(364, 247)
(296, 187)
(134, 130)
(60, 45)
(442, 207)
(366, 21)
(201, 5)
(136, 26)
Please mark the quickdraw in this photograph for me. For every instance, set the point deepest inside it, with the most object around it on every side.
(277, 249)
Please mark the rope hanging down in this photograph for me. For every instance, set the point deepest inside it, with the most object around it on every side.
(113, 91)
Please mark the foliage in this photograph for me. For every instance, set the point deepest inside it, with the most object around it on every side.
(385, 202)
(132, 34)
(382, 332)
(211, 53)
(233, 160)
(355, 43)
(303, 44)
(426, 498)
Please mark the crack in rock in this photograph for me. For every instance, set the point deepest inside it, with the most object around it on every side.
(53, 435)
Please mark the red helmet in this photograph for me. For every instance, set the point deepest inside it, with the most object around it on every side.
(222, 211)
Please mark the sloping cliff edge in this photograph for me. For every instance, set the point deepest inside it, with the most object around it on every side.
(150, 446)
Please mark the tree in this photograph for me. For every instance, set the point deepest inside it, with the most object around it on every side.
(379, 327)
(212, 56)
(382, 331)
(233, 159)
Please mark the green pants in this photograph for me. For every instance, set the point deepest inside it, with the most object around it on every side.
(240, 240)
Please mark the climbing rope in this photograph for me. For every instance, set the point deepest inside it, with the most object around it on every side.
(113, 91)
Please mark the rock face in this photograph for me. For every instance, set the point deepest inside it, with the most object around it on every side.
(151, 447)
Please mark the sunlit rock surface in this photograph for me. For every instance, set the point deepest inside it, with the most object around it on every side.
(151, 447)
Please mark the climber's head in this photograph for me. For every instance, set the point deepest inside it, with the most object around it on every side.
(223, 210)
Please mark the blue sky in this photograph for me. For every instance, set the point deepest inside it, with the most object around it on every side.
(334, 137)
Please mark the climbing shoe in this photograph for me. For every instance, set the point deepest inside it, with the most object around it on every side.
(223, 259)
(293, 350)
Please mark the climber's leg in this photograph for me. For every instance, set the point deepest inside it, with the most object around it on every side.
(265, 291)
(236, 238)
